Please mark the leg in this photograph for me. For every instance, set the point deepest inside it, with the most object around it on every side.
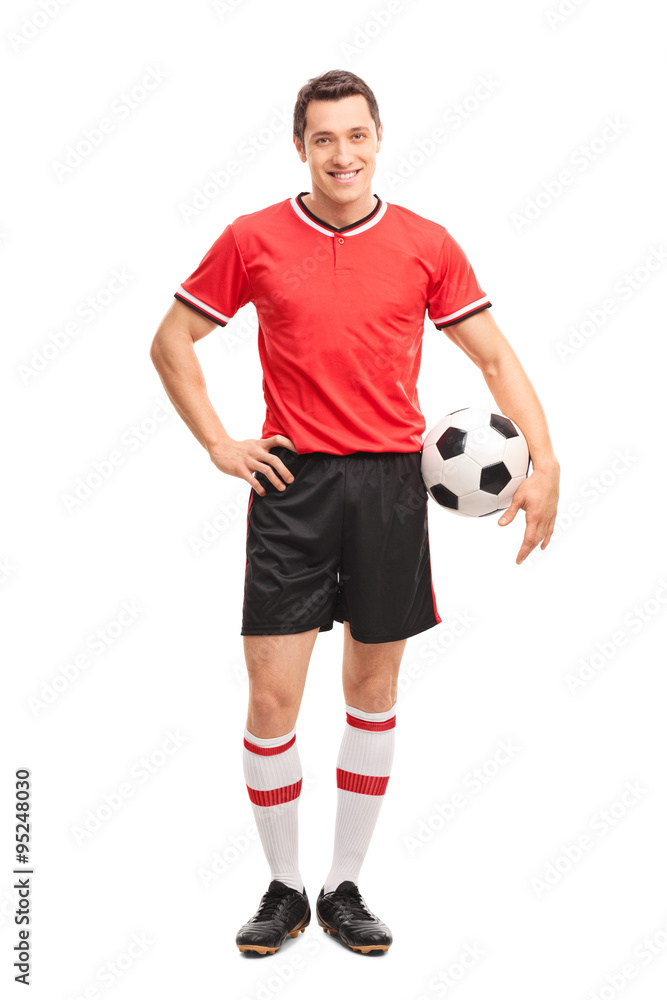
(370, 672)
(386, 597)
(277, 667)
(370, 684)
(290, 585)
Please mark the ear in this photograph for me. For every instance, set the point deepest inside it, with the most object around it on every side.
(299, 148)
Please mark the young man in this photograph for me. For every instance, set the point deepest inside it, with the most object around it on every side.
(341, 281)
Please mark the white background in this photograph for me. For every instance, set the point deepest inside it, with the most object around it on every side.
(177, 666)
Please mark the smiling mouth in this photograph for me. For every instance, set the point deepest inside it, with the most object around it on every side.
(345, 175)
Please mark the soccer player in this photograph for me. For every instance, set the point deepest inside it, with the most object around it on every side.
(337, 511)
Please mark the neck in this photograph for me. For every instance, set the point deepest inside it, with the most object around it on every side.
(335, 214)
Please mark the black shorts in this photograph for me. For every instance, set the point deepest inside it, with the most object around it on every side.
(347, 540)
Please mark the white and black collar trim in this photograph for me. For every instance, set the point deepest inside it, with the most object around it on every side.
(321, 226)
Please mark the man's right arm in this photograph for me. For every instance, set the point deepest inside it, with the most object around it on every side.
(173, 354)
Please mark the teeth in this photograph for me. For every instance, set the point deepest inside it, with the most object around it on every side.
(344, 177)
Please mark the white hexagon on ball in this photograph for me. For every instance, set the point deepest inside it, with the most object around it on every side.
(460, 475)
(469, 418)
(431, 464)
(478, 504)
(485, 445)
(516, 455)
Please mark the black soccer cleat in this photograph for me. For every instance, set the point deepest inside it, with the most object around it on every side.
(282, 911)
(343, 911)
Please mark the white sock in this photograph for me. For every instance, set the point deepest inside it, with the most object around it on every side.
(272, 772)
(364, 763)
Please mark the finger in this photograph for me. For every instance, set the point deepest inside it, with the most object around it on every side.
(280, 466)
(508, 515)
(280, 439)
(550, 531)
(530, 540)
(266, 468)
(256, 485)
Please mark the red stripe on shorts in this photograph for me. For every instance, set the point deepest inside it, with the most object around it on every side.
(247, 529)
(430, 571)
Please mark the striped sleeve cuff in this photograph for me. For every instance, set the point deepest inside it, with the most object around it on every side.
(463, 313)
(201, 307)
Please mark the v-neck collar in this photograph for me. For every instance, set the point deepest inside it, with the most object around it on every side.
(321, 226)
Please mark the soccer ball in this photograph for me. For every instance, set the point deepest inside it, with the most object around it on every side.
(473, 460)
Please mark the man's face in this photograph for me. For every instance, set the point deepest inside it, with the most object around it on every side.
(339, 146)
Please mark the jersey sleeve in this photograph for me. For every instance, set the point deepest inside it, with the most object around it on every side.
(455, 292)
(219, 286)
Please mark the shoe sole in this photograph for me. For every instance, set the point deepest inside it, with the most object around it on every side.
(264, 950)
(363, 948)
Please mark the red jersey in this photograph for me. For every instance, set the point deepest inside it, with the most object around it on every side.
(341, 317)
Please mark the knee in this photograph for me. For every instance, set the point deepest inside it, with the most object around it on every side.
(269, 701)
(270, 713)
(371, 696)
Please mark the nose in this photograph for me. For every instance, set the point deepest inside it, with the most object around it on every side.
(343, 156)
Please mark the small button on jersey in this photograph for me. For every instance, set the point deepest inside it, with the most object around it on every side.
(340, 317)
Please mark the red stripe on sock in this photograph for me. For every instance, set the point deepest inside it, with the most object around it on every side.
(268, 751)
(364, 784)
(373, 727)
(274, 796)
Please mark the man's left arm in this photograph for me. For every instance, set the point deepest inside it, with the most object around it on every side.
(482, 340)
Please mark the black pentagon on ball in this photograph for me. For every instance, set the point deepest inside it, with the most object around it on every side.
(494, 478)
(452, 442)
(503, 425)
(445, 497)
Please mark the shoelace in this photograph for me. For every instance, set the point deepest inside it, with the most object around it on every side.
(269, 904)
(353, 905)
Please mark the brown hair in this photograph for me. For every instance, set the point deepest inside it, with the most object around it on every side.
(332, 86)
